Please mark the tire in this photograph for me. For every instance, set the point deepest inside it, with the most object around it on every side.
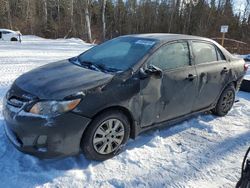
(105, 136)
(14, 39)
(225, 102)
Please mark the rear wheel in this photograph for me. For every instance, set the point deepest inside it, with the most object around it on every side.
(106, 135)
(225, 102)
(13, 39)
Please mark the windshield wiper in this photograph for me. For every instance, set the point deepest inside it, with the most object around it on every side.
(99, 67)
(86, 64)
(73, 59)
(104, 68)
(93, 66)
(89, 65)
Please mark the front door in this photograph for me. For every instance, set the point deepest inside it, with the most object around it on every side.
(172, 95)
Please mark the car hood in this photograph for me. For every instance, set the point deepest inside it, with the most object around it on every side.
(60, 79)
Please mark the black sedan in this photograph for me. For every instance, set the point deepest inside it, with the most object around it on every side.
(98, 100)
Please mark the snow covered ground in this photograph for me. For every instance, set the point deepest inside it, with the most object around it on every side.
(203, 152)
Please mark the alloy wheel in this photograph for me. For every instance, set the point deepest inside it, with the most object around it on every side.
(108, 136)
(227, 101)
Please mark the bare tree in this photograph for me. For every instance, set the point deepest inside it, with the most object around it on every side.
(58, 18)
(87, 19)
(172, 7)
(5, 10)
(9, 14)
(29, 15)
(103, 19)
(72, 16)
(45, 14)
(108, 18)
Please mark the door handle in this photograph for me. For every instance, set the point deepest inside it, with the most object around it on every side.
(191, 77)
(225, 70)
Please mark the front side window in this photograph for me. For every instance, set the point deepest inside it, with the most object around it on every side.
(118, 54)
(6, 32)
(204, 52)
(171, 56)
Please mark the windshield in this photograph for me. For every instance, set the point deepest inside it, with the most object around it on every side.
(118, 54)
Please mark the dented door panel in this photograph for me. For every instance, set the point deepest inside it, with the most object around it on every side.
(172, 95)
(151, 95)
(179, 90)
(169, 97)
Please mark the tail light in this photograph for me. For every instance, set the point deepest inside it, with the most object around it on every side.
(245, 67)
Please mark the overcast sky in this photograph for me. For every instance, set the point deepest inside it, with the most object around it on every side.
(239, 5)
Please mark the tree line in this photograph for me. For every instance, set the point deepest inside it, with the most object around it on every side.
(104, 19)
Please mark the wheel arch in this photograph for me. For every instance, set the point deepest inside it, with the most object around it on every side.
(13, 39)
(126, 112)
(234, 83)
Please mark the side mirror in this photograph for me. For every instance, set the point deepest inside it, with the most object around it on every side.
(149, 71)
(152, 70)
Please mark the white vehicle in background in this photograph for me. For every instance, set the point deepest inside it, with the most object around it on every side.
(9, 35)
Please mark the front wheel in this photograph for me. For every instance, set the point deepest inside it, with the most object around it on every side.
(106, 135)
(225, 102)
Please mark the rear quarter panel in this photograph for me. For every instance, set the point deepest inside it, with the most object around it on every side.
(237, 68)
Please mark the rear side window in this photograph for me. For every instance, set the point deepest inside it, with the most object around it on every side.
(171, 56)
(204, 52)
(220, 55)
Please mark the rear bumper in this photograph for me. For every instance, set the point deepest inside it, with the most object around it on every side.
(42, 136)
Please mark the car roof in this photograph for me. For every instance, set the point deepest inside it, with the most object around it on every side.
(168, 37)
(165, 37)
(8, 30)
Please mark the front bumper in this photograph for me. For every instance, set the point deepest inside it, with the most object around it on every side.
(44, 137)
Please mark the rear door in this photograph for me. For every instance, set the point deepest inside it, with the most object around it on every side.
(7, 35)
(172, 95)
(213, 73)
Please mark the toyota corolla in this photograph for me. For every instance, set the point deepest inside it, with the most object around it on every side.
(98, 100)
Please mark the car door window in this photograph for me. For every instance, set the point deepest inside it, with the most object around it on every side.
(171, 56)
(204, 52)
(6, 32)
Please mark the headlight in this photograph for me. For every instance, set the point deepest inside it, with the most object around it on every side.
(54, 107)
